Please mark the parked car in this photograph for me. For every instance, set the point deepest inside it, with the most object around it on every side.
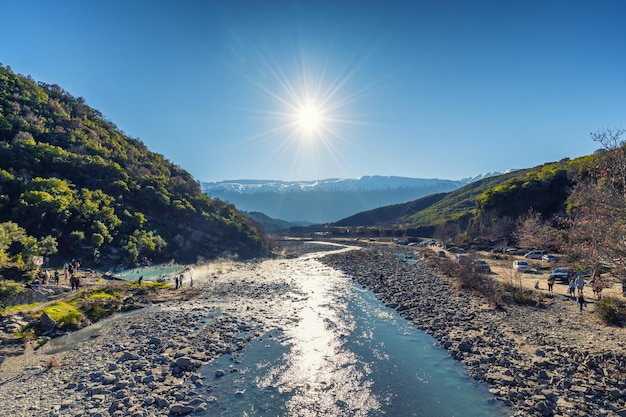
(549, 258)
(480, 265)
(534, 254)
(513, 251)
(521, 266)
(561, 274)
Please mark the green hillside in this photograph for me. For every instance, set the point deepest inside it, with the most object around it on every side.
(390, 215)
(456, 204)
(487, 210)
(71, 179)
(431, 210)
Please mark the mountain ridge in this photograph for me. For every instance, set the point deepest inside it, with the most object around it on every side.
(327, 200)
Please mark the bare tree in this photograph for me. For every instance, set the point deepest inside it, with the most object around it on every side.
(597, 207)
(534, 232)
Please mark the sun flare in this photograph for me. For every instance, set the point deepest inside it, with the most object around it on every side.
(309, 117)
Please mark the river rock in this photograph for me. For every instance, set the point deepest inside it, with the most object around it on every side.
(180, 409)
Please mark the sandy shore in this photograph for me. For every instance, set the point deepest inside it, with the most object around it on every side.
(550, 361)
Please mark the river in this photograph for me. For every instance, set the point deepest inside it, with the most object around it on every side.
(343, 353)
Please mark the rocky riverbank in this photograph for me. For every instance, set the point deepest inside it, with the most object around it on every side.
(147, 363)
(550, 360)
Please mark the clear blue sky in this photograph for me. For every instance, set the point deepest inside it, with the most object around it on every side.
(444, 89)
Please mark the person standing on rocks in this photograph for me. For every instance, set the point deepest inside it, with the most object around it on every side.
(176, 281)
(180, 280)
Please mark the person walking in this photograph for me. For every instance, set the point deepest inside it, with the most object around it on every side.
(581, 301)
(599, 287)
(580, 284)
(550, 284)
(572, 288)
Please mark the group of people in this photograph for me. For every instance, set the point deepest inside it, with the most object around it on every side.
(577, 286)
(179, 281)
(70, 271)
(43, 277)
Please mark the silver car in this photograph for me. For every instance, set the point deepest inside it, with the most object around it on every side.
(521, 266)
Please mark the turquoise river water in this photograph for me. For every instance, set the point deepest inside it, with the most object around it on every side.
(345, 354)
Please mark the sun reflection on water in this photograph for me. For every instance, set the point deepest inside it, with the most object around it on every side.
(321, 374)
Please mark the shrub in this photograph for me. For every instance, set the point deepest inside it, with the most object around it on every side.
(9, 289)
(96, 311)
(53, 362)
(611, 311)
(465, 277)
(518, 294)
(26, 335)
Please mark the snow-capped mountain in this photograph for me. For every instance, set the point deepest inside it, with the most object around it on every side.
(328, 200)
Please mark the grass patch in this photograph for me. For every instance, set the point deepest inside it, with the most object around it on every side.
(151, 284)
(611, 311)
(101, 295)
(101, 303)
(20, 307)
(65, 313)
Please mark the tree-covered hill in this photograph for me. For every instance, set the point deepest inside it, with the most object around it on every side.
(485, 210)
(429, 211)
(389, 215)
(69, 176)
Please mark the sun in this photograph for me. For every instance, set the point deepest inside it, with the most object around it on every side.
(307, 110)
(309, 117)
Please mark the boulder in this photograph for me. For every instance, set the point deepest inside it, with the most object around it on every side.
(46, 324)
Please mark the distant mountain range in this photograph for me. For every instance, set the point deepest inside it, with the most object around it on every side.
(328, 200)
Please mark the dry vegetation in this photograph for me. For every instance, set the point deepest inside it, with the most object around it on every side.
(504, 285)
